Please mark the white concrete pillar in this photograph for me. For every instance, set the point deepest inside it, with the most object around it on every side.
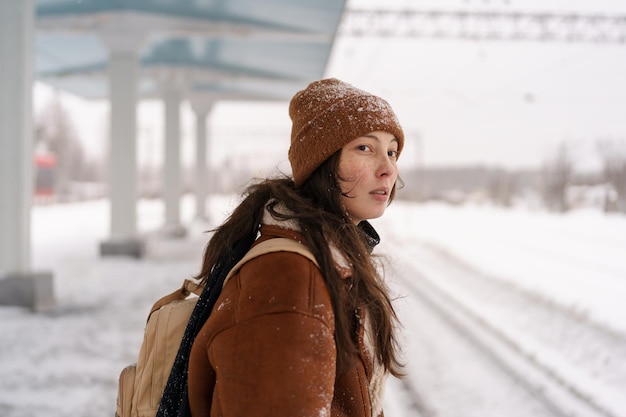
(172, 188)
(18, 285)
(16, 136)
(123, 143)
(123, 69)
(202, 109)
(172, 178)
(201, 173)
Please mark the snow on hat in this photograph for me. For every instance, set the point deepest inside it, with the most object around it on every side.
(326, 116)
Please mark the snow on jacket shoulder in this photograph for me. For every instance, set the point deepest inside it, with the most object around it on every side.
(268, 347)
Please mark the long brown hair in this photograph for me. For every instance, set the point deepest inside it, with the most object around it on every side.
(316, 205)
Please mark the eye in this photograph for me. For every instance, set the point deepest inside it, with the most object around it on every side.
(392, 154)
(364, 148)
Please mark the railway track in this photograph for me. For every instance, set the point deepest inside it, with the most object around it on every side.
(404, 398)
(482, 311)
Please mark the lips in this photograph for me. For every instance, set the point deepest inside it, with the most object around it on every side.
(381, 191)
(380, 194)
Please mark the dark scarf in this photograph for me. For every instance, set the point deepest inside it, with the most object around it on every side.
(175, 401)
(369, 234)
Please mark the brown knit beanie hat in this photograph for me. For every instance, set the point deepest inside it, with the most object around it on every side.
(327, 115)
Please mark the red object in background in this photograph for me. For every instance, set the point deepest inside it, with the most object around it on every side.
(45, 172)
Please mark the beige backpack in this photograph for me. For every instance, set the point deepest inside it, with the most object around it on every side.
(141, 384)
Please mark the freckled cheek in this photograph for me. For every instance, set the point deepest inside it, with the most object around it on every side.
(352, 181)
(352, 171)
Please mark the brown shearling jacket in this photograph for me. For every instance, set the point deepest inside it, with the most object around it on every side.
(268, 347)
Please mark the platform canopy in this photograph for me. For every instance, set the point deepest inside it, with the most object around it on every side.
(203, 51)
(264, 49)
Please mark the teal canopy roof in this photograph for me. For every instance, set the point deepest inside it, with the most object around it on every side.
(257, 48)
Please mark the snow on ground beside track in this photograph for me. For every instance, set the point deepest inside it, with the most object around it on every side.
(577, 260)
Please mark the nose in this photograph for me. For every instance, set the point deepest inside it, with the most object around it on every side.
(386, 166)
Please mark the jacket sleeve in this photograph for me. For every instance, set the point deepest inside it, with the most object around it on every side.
(278, 357)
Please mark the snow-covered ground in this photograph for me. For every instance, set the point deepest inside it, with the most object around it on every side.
(577, 259)
(66, 362)
(551, 287)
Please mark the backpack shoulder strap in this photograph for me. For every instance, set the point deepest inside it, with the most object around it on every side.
(181, 293)
(278, 244)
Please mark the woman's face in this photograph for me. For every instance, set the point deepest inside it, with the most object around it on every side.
(366, 173)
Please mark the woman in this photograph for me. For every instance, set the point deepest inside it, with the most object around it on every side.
(286, 337)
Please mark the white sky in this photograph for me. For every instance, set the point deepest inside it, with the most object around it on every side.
(460, 102)
(505, 103)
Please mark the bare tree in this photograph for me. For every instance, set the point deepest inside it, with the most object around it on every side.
(557, 176)
(613, 155)
(502, 187)
(55, 132)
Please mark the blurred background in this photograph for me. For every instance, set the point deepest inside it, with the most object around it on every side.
(496, 105)
(136, 125)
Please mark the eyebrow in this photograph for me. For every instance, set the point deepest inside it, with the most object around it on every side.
(395, 139)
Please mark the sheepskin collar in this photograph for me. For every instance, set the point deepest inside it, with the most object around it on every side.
(369, 233)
